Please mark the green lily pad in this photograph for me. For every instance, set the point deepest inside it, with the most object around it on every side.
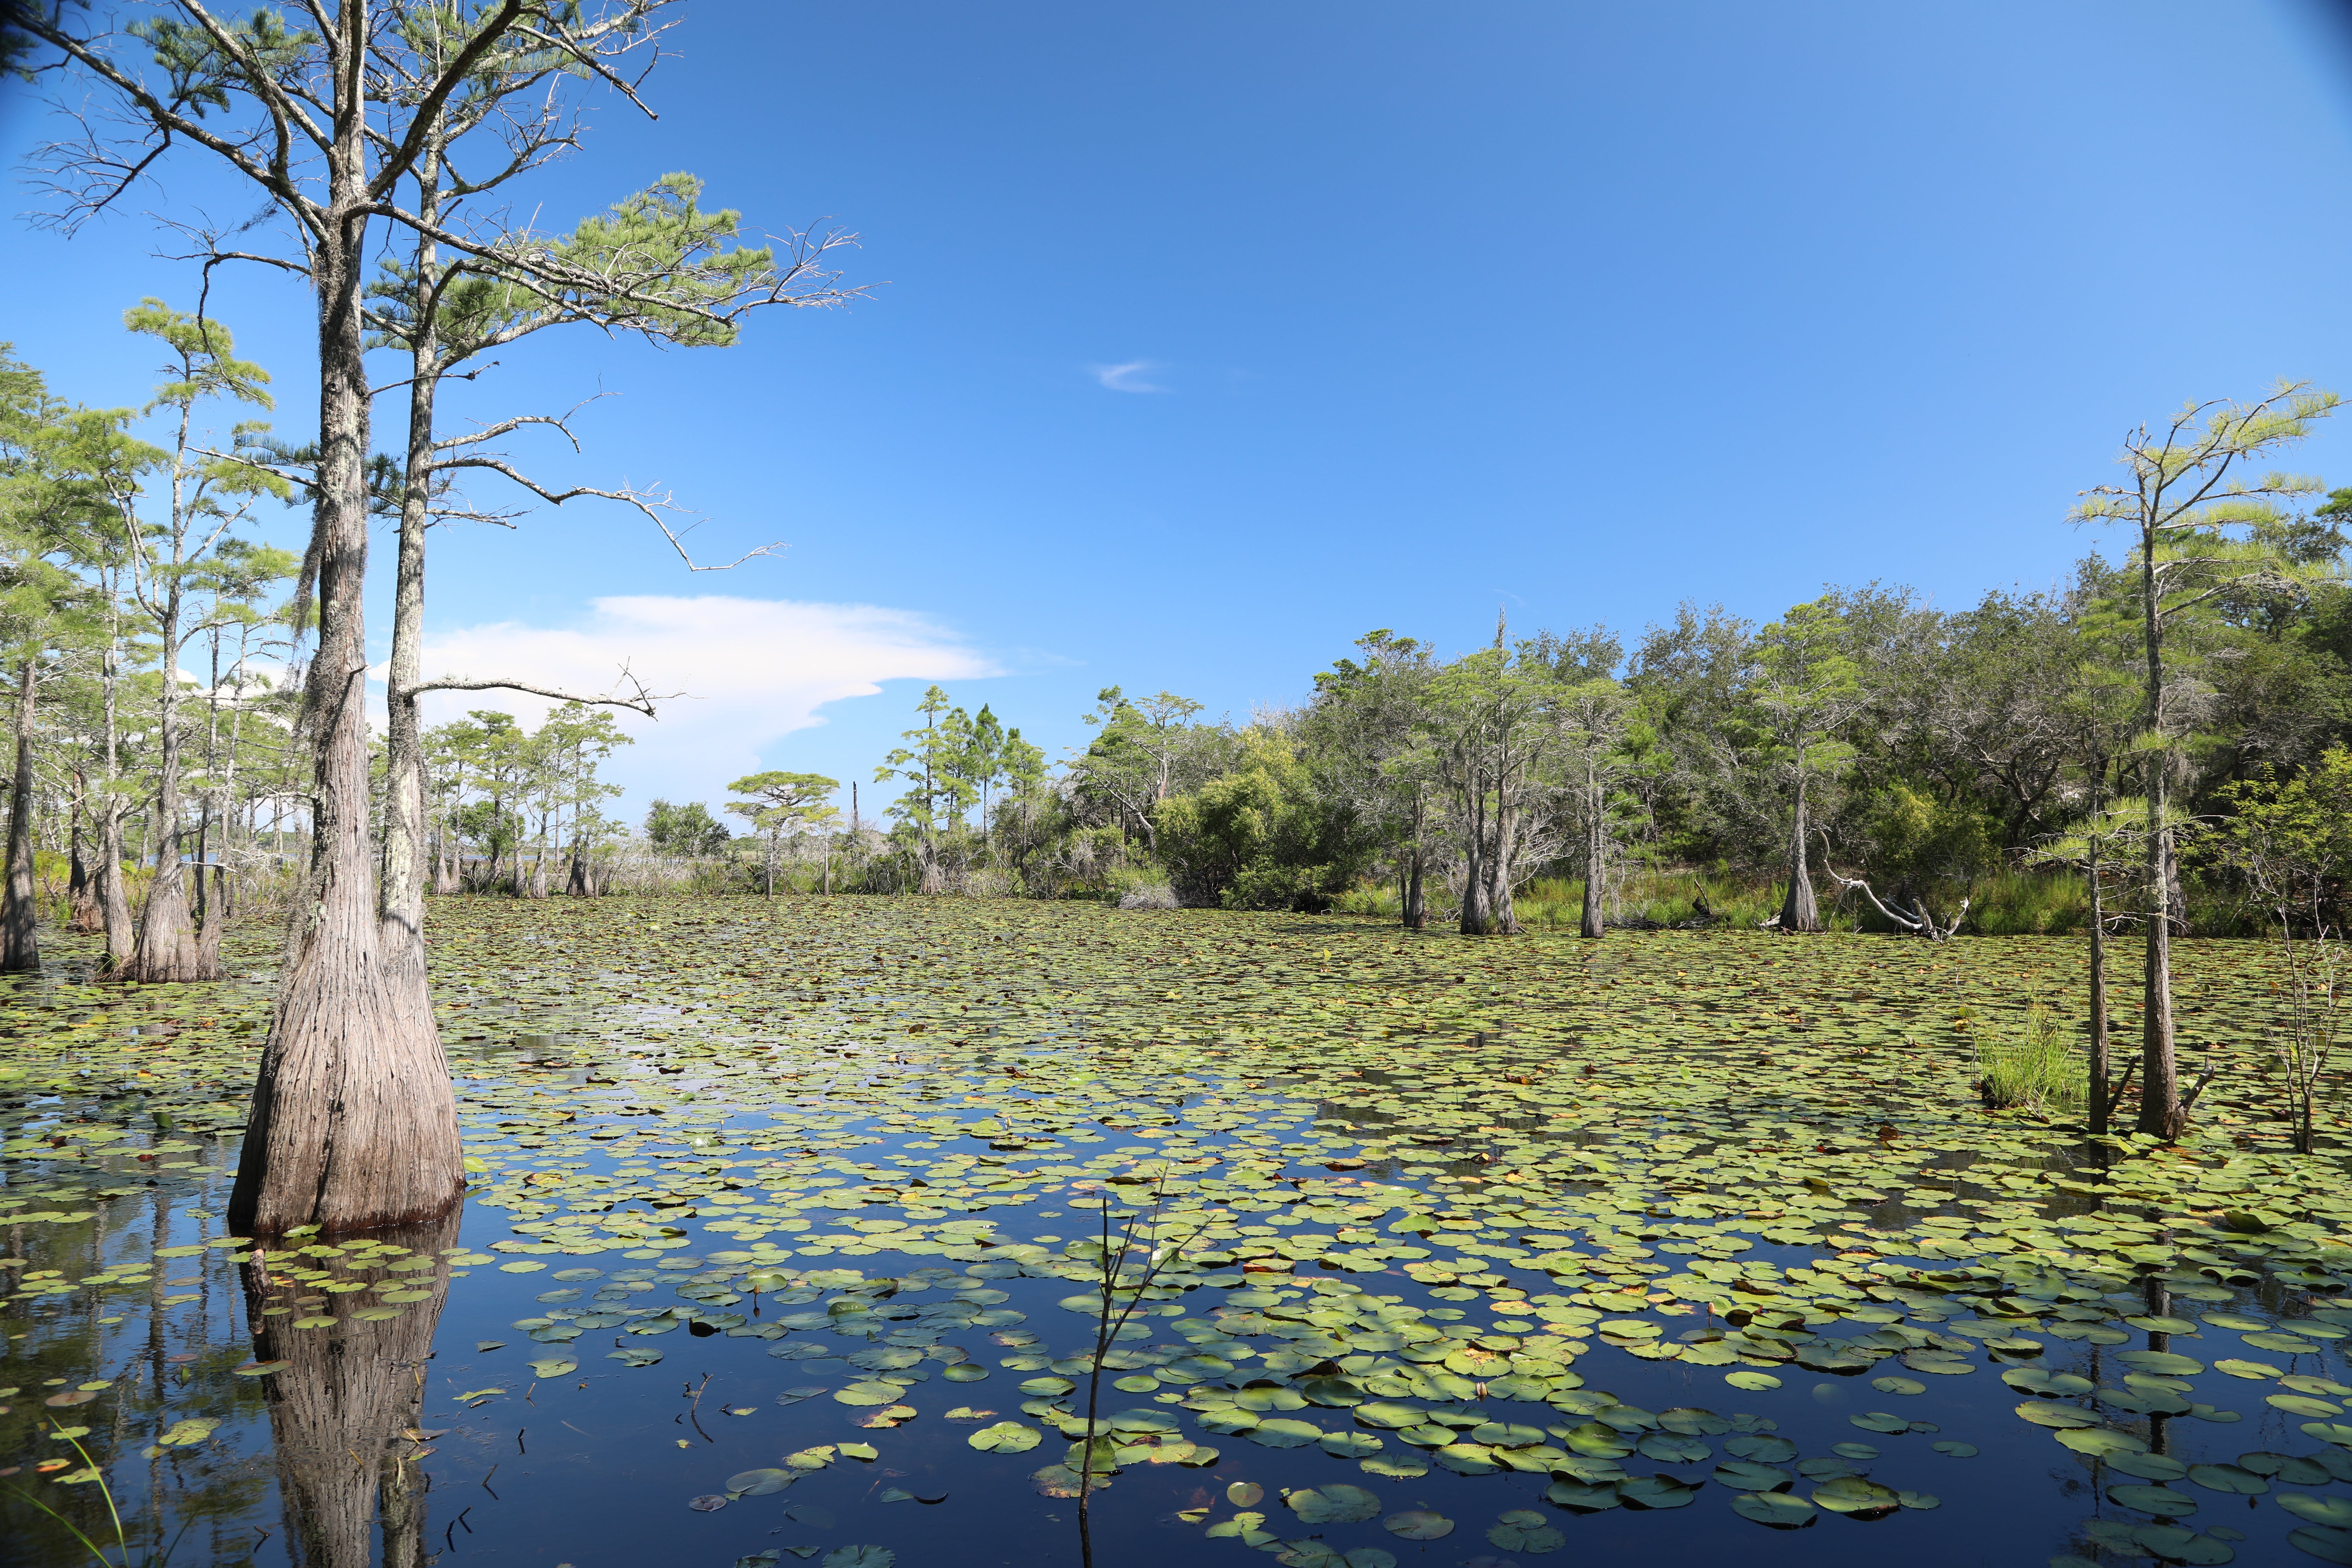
(1336, 1503)
(1005, 1437)
(2161, 1500)
(1524, 1529)
(1851, 1494)
(633, 1356)
(760, 1483)
(1418, 1524)
(1283, 1433)
(1784, 1511)
(1751, 1381)
(2334, 1511)
(555, 1366)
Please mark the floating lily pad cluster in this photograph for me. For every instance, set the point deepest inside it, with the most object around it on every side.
(1428, 1199)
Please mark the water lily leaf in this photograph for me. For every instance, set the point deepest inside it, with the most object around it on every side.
(1751, 1381)
(2042, 1414)
(2161, 1500)
(1880, 1421)
(1384, 1414)
(2175, 1545)
(1005, 1437)
(1524, 1529)
(860, 1557)
(1418, 1524)
(555, 1366)
(633, 1356)
(760, 1483)
(1656, 1491)
(2163, 1363)
(2329, 1544)
(1762, 1448)
(1900, 1385)
(2329, 1511)
(872, 1390)
(1334, 1504)
(709, 1502)
(1283, 1433)
(2286, 1345)
(2100, 1441)
(2228, 1478)
(2148, 1466)
(1782, 1510)
(1851, 1494)
(1581, 1495)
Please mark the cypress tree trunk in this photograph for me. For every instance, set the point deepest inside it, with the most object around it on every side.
(168, 949)
(2159, 1082)
(113, 899)
(20, 943)
(1596, 852)
(1798, 910)
(401, 899)
(353, 1123)
(80, 890)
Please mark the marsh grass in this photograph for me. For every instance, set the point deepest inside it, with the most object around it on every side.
(2039, 1071)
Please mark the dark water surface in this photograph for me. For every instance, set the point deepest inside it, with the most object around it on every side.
(847, 1147)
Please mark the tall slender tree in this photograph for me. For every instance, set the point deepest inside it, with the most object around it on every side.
(354, 1121)
(206, 493)
(2200, 524)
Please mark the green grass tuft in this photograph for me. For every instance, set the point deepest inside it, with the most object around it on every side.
(2040, 1072)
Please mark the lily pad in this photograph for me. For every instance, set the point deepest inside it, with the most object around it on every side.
(1336, 1503)
(1418, 1524)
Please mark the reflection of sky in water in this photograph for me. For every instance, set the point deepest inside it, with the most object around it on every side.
(599, 1462)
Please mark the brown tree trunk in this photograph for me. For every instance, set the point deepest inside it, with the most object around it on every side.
(1502, 918)
(169, 950)
(354, 1124)
(20, 941)
(1798, 911)
(1474, 874)
(1596, 853)
(113, 898)
(81, 887)
(400, 898)
(2159, 1081)
(339, 1409)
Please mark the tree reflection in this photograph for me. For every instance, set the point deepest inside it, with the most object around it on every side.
(343, 1410)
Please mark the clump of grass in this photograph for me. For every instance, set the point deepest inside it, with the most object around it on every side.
(2036, 1072)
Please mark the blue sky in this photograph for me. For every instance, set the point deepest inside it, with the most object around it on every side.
(1578, 310)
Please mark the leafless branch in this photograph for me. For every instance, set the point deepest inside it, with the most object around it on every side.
(638, 701)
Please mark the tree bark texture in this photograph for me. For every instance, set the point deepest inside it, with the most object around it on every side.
(2159, 1078)
(2100, 1109)
(169, 949)
(81, 887)
(338, 1410)
(354, 1124)
(401, 897)
(1798, 910)
(113, 898)
(20, 941)
(1596, 856)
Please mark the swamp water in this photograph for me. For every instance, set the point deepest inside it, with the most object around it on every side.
(1671, 1247)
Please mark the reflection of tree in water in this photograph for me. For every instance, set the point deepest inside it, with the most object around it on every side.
(340, 1411)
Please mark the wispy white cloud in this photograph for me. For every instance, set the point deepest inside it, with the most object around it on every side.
(1128, 377)
(753, 670)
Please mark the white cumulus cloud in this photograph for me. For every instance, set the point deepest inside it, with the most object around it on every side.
(752, 672)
